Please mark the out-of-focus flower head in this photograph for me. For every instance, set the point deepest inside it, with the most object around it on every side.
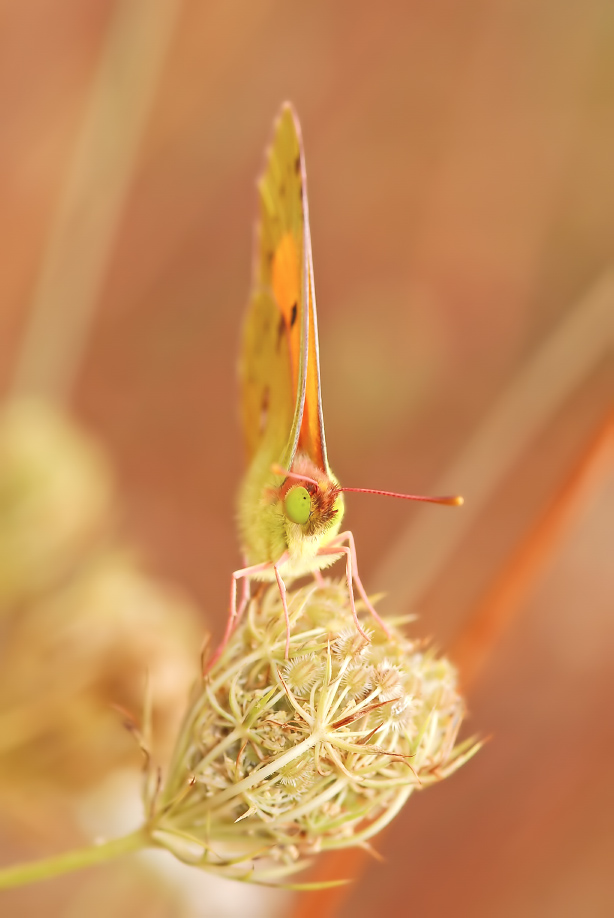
(83, 629)
(56, 498)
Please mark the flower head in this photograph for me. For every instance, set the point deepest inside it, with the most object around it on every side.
(280, 758)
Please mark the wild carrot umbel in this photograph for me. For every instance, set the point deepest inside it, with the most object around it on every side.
(280, 759)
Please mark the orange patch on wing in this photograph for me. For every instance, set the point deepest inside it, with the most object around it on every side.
(286, 283)
(310, 440)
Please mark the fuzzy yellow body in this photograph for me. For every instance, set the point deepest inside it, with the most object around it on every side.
(266, 532)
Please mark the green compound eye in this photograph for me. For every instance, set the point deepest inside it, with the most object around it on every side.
(298, 505)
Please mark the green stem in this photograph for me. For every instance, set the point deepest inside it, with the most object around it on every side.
(22, 874)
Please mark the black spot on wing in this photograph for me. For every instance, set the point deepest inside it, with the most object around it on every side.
(293, 314)
(264, 410)
(280, 330)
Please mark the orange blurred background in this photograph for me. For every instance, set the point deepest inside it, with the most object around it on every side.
(459, 158)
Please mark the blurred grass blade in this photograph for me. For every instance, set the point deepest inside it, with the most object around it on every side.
(83, 231)
(505, 596)
(558, 368)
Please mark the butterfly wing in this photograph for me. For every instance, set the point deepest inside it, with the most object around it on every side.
(311, 437)
(281, 401)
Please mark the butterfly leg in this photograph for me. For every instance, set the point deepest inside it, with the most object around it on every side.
(284, 601)
(332, 549)
(349, 538)
(319, 579)
(243, 574)
(244, 597)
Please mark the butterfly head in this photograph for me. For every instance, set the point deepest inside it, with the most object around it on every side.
(311, 498)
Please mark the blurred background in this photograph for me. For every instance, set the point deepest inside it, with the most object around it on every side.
(461, 189)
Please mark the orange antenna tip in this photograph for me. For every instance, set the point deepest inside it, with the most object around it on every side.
(455, 501)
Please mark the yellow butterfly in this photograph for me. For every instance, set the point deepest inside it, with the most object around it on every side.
(290, 504)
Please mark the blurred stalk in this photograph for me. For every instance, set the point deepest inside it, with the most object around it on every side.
(24, 874)
(81, 238)
(513, 582)
(539, 389)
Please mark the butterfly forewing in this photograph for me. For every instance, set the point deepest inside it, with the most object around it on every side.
(280, 365)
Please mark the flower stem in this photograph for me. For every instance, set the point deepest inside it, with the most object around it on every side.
(22, 874)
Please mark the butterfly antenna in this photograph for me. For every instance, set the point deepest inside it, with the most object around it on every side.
(452, 501)
(455, 501)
